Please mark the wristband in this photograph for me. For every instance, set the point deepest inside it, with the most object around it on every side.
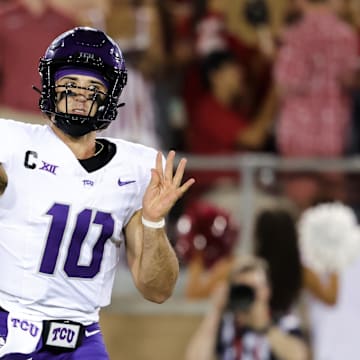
(153, 224)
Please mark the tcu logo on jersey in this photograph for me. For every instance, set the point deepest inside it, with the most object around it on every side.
(31, 162)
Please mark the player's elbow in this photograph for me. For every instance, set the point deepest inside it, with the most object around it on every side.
(158, 286)
(158, 298)
(157, 293)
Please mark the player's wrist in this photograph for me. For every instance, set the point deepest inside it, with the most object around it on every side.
(153, 224)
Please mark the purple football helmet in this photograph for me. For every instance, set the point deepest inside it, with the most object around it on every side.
(89, 49)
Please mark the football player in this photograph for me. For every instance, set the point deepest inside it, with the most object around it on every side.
(69, 199)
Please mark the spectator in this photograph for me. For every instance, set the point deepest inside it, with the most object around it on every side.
(136, 120)
(239, 324)
(26, 29)
(276, 242)
(312, 72)
(219, 126)
(211, 35)
(330, 244)
(146, 30)
(223, 78)
(333, 330)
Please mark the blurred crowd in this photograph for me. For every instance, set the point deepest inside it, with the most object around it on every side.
(224, 77)
(212, 77)
(209, 76)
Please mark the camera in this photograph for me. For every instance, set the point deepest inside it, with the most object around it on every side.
(256, 12)
(241, 297)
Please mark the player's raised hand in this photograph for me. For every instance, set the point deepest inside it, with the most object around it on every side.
(165, 187)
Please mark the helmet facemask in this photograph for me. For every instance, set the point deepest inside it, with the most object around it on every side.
(64, 92)
(92, 98)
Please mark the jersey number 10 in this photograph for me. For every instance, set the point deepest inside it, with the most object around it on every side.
(60, 213)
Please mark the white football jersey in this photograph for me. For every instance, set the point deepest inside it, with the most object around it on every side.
(61, 226)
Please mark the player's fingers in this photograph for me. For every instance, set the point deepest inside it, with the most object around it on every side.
(179, 172)
(185, 187)
(155, 178)
(158, 164)
(169, 165)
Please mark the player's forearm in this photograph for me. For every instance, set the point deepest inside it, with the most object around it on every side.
(158, 267)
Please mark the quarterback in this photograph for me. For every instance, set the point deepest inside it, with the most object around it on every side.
(69, 199)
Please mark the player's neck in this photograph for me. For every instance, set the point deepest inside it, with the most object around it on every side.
(82, 147)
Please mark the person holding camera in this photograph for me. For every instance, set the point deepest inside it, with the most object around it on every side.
(239, 323)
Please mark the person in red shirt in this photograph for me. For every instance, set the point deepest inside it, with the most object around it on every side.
(26, 29)
(313, 72)
(211, 35)
(218, 124)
